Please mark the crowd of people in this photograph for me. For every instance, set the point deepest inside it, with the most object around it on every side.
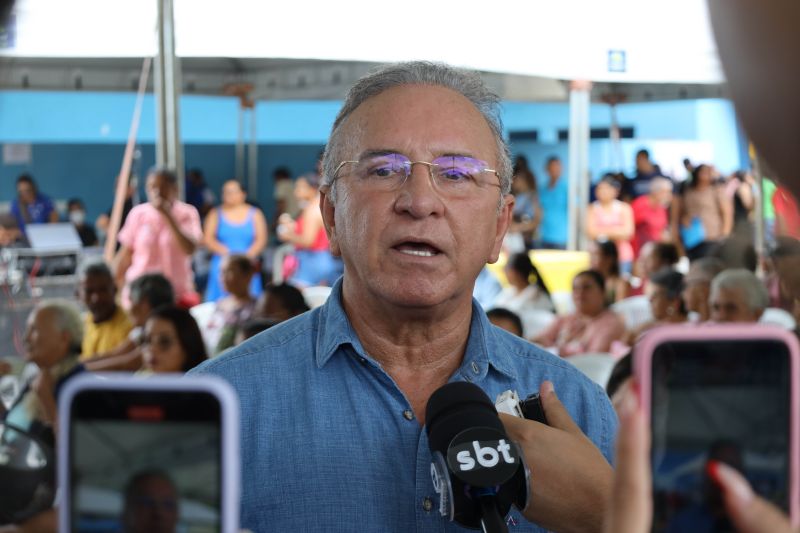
(413, 230)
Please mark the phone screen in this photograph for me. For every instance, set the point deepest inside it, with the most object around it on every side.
(717, 400)
(145, 461)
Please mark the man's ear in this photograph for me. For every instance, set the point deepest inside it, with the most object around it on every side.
(503, 222)
(328, 211)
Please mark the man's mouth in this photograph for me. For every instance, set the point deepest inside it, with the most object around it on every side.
(418, 249)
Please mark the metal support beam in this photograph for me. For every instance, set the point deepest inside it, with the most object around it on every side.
(169, 151)
(579, 178)
(252, 159)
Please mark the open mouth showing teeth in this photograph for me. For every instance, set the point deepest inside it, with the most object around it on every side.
(417, 249)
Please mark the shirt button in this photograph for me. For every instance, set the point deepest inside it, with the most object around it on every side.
(362, 360)
(408, 414)
(427, 504)
(475, 368)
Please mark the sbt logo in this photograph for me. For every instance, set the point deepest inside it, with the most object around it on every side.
(485, 456)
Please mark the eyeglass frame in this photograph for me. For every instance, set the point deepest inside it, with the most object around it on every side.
(411, 165)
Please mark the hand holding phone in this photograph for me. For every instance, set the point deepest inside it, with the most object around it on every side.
(630, 508)
(130, 447)
(718, 394)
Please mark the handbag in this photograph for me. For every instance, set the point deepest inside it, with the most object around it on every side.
(693, 234)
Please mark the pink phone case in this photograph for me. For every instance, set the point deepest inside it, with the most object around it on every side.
(642, 365)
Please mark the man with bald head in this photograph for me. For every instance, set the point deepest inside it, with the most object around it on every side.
(415, 200)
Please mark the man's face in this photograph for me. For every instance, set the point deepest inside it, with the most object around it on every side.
(159, 188)
(730, 305)
(412, 246)
(695, 294)
(554, 169)
(97, 292)
(45, 345)
(153, 508)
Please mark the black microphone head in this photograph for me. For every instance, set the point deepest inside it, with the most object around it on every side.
(454, 408)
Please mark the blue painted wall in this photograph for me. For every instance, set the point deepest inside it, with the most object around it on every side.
(78, 138)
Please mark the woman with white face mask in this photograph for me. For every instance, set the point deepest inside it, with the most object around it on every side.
(77, 215)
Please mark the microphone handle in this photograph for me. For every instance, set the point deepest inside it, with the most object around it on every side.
(491, 521)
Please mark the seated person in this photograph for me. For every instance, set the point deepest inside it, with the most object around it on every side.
(654, 256)
(76, 212)
(505, 319)
(526, 289)
(603, 257)
(232, 310)
(592, 328)
(172, 341)
(147, 292)
(253, 327)
(786, 262)
(697, 287)
(106, 325)
(53, 337)
(737, 295)
(280, 302)
(664, 292)
(30, 206)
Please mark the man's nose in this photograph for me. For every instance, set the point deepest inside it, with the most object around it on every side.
(418, 196)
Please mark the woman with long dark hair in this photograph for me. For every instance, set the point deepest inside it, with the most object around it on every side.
(604, 258)
(172, 341)
(701, 214)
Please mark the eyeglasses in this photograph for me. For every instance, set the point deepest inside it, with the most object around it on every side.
(455, 176)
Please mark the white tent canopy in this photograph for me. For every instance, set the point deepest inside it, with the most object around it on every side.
(662, 42)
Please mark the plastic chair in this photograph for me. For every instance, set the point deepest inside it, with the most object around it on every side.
(316, 296)
(596, 366)
(778, 317)
(635, 311)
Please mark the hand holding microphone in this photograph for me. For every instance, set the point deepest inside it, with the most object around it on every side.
(570, 479)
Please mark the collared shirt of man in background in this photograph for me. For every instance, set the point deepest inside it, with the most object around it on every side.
(416, 201)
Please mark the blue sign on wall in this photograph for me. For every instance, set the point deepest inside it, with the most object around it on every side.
(616, 61)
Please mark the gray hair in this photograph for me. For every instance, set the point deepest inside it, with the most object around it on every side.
(67, 318)
(660, 182)
(467, 83)
(754, 291)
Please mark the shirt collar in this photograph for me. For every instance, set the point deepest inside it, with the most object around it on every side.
(483, 346)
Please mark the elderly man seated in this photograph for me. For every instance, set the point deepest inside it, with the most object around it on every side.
(52, 342)
(737, 295)
(697, 287)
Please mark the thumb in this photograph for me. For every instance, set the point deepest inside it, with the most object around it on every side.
(557, 415)
(748, 512)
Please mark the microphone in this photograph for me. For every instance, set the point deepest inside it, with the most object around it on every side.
(477, 471)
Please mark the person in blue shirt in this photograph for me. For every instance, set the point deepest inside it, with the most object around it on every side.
(416, 200)
(30, 206)
(553, 199)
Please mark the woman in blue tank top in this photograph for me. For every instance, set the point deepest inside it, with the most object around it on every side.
(235, 227)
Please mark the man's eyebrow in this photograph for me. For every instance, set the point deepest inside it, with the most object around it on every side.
(378, 151)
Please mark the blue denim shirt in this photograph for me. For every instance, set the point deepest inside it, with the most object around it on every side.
(329, 442)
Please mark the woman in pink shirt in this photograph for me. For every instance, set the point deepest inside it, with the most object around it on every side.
(592, 328)
(160, 236)
(609, 219)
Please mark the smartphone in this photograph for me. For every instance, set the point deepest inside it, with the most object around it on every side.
(152, 454)
(720, 392)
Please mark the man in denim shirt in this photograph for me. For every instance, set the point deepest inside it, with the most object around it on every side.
(416, 201)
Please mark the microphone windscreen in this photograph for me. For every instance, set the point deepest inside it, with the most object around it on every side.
(454, 408)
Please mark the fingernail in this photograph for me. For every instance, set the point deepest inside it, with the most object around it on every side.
(730, 480)
(547, 388)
